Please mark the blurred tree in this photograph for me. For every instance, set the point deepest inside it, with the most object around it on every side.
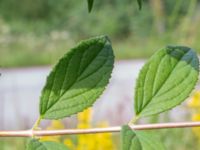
(119, 19)
(159, 15)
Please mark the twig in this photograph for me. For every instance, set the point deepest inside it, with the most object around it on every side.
(31, 133)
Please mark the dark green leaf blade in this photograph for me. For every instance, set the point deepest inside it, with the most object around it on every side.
(78, 79)
(166, 80)
(139, 140)
(90, 5)
(139, 4)
(35, 144)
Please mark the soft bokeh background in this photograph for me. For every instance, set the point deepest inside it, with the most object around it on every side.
(34, 34)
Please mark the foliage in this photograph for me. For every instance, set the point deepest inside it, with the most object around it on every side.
(75, 83)
(139, 140)
(82, 74)
(164, 82)
(35, 144)
(26, 32)
(78, 79)
(140, 3)
(161, 86)
(90, 5)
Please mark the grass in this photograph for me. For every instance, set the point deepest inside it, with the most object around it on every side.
(179, 139)
(23, 50)
(12, 143)
(29, 50)
(26, 43)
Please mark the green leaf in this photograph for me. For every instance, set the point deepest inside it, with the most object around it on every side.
(78, 79)
(166, 80)
(35, 144)
(129, 140)
(139, 140)
(90, 5)
(139, 4)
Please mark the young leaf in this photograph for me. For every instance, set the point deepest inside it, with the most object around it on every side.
(35, 144)
(139, 4)
(166, 80)
(139, 140)
(78, 79)
(90, 5)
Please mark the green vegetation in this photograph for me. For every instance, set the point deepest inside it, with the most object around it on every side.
(74, 84)
(164, 82)
(78, 79)
(12, 143)
(36, 33)
(35, 144)
(81, 75)
(140, 140)
(39, 32)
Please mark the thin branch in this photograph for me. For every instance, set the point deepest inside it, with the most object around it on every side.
(31, 133)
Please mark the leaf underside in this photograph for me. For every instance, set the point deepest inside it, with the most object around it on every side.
(166, 80)
(78, 79)
(139, 140)
(35, 144)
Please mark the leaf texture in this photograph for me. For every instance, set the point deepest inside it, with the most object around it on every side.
(35, 144)
(166, 80)
(139, 140)
(78, 79)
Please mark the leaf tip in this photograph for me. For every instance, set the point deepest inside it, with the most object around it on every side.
(139, 4)
(90, 5)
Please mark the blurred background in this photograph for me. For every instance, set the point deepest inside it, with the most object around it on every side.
(34, 34)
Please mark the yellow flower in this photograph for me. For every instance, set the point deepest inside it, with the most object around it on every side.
(50, 138)
(195, 101)
(69, 144)
(101, 141)
(83, 126)
(55, 124)
(196, 117)
(194, 104)
(85, 116)
(196, 131)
